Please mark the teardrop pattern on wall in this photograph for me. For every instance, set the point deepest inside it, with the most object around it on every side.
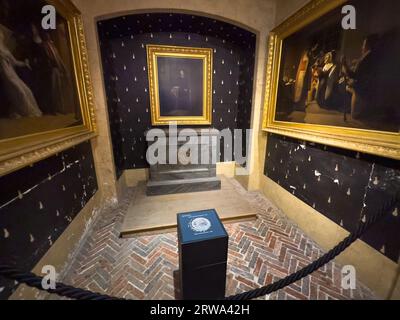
(345, 186)
(37, 203)
(128, 98)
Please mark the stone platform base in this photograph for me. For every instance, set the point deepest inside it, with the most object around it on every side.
(147, 215)
(155, 188)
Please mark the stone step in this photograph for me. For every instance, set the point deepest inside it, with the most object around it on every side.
(165, 175)
(182, 186)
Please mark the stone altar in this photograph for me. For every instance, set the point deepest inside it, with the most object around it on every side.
(180, 173)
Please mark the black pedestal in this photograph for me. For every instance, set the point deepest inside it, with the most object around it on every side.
(203, 251)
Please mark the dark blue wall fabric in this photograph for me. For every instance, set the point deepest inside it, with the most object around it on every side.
(38, 203)
(123, 43)
(343, 185)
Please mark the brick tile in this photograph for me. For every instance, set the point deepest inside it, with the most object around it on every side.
(260, 252)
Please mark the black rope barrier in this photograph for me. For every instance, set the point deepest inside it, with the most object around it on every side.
(326, 258)
(61, 289)
(67, 291)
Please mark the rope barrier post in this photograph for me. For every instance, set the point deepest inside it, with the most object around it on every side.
(203, 255)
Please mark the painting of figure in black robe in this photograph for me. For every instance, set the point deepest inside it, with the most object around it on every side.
(180, 86)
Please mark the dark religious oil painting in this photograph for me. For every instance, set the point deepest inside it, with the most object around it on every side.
(180, 81)
(347, 78)
(37, 77)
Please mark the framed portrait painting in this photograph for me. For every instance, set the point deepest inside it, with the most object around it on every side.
(334, 85)
(180, 84)
(45, 91)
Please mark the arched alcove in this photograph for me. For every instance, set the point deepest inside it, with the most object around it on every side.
(123, 41)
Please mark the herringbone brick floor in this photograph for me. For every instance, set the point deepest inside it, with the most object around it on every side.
(260, 252)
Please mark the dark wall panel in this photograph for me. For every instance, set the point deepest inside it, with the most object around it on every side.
(343, 185)
(123, 43)
(37, 204)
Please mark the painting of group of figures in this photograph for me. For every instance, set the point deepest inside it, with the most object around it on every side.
(346, 78)
(37, 83)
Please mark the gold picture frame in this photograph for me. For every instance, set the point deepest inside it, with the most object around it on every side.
(381, 143)
(21, 151)
(202, 100)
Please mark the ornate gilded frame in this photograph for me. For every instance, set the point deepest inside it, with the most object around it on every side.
(19, 152)
(205, 54)
(369, 141)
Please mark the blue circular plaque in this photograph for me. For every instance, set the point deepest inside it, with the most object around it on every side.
(200, 224)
